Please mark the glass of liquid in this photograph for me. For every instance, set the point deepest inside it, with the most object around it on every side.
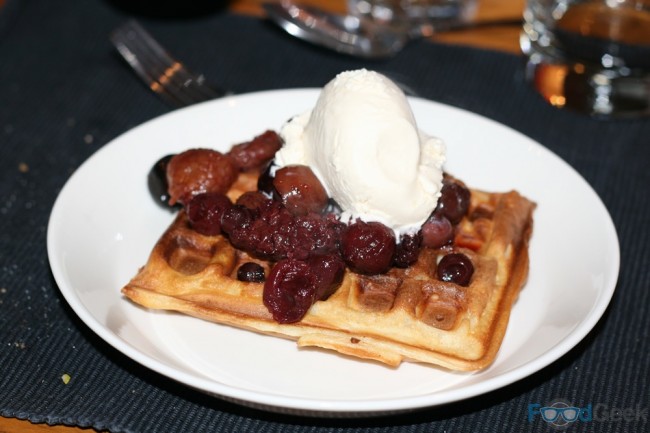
(412, 16)
(592, 56)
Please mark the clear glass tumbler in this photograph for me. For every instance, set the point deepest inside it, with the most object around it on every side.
(590, 55)
(412, 16)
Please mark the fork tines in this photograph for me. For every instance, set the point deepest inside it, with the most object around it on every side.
(158, 69)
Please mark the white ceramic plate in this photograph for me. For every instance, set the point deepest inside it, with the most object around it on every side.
(104, 224)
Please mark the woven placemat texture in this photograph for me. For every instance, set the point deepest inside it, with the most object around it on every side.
(64, 94)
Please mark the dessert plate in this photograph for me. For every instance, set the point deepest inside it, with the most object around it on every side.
(104, 224)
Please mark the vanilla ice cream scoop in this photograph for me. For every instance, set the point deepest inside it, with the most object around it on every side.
(362, 142)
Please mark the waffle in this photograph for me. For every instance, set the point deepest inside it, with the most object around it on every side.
(403, 315)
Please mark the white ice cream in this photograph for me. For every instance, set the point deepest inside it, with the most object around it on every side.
(362, 142)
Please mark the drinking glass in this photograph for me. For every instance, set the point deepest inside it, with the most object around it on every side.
(590, 55)
(413, 16)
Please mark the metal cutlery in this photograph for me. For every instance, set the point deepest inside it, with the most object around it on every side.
(359, 37)
(161, 72)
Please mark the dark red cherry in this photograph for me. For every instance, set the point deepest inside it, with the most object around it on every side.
(408, 250)
(236, 217)
(368, 248)
(196, 171)
(253, 200)
(300, 190)
(265, 181)
(157, 181)
(437, 231)
(290, 290)
(257, 152)
(251, 272)
(453, 202)
(456, 268)
(205, 211)
(329, 270)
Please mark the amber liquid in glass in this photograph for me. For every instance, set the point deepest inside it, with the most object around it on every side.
(613, 37)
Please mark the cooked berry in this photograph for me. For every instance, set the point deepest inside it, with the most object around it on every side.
(253, 200)
(329, 270)
(368, 248)
(265, 181)
(157, 181)
(290, 290)
(408, 250)
(300, 190)
(437, 231)
(205, 212)
(236, 218)
(274, 233)
(196, 171)
(251, 272)
(318, 234)
(454, 201)
(456, 268)
(257, 152)
(270, 234)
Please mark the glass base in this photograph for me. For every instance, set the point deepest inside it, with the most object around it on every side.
(415, 16)
(586, 87)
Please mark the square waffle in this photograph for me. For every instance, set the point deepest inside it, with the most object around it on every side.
(406, 314)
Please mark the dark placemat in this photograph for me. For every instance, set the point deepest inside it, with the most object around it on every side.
(64, 94)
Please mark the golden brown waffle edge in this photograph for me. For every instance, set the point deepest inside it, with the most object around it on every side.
(406, 314)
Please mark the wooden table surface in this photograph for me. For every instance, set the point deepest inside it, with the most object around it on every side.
(496, 38)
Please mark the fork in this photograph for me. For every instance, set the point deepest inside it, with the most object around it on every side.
(161, 72)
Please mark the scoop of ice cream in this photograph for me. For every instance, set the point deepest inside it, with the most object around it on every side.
(362, 142)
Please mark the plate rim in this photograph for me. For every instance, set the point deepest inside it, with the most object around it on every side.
(319, 407)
